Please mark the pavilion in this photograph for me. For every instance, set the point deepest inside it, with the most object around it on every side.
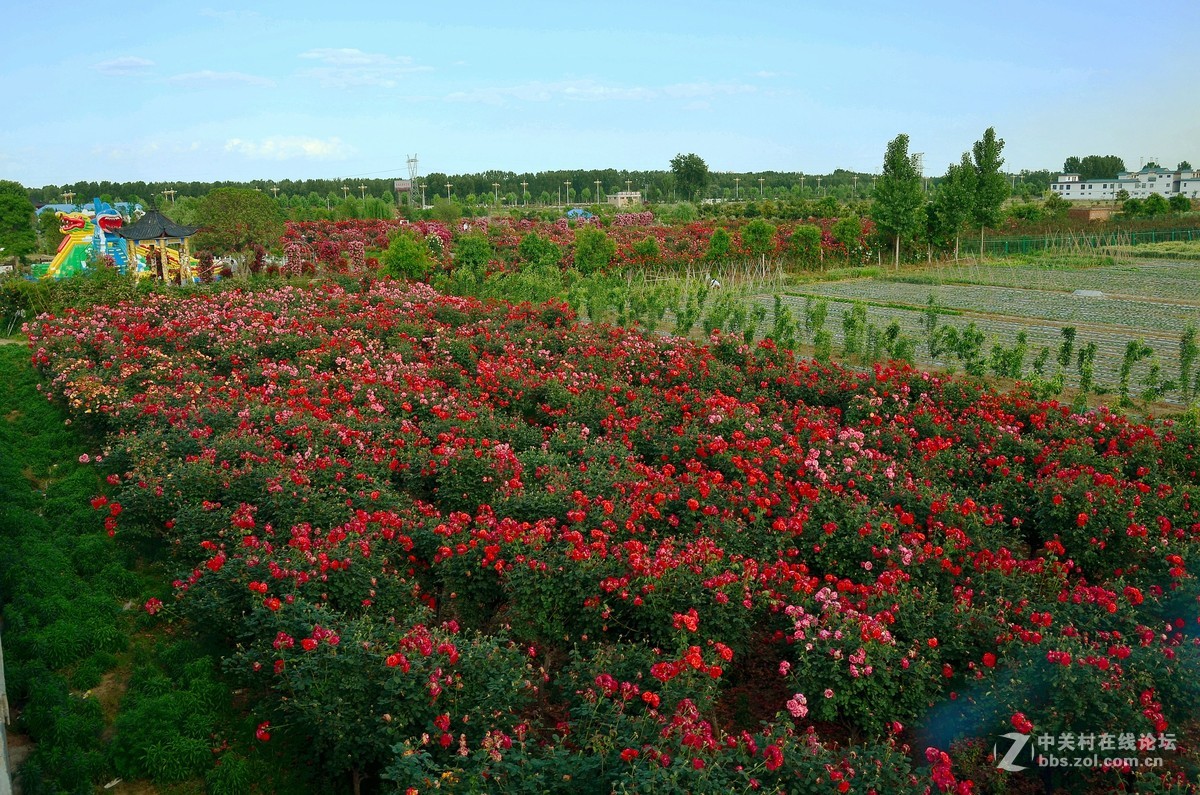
(160, 233)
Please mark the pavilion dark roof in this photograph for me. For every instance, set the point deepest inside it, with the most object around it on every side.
(154, 225)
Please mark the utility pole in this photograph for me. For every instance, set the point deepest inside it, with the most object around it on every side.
(737, 189)
(362, 190)
(568, 191)
(170, 194)
(345, 192)
(856, 186)
(760, 187)
(275, 191)
(496, 192)
(819, 186)
(448, 187)
(597, 191)
(70, 197)
(524, 200)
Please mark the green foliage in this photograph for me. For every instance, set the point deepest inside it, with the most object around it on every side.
(17, 235)
(951, 206)
(1066, 347)
(647, 249)
(854, 329)
(164, 730)
(898, 203)
(991, 188)
(1094, 166)
(473, 251)
(720, 246)
(1135, 351)
(806, 244)
(49, 232)
(848, 232)
(407, 257)
(758, 236)
(594, 249)
(1180, 203)
(538, 250)
(1188, 353)
(1055, 207)
(234, 220)
(783, 325)
(691, 174)
(1086, 364)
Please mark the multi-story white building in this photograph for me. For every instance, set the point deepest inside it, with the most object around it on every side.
(1138, 184)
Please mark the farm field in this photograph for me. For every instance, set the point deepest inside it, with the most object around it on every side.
(1149, 299)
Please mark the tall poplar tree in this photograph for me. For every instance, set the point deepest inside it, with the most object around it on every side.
(953, 200)
(991, 188)
(899, 201)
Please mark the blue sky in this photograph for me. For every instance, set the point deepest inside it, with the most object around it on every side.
(197, 91)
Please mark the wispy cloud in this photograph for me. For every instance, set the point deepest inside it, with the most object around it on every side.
(289, 148)
(346, 67)
(125, 66)
(208, 77)
(236, 16)
(595, 91)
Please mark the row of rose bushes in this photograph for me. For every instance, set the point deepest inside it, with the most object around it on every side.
(338, 246)
(487, 547)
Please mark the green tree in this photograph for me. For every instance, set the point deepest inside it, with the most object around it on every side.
(991, 188)
(691, 174)
(473, 251)
(1055, 206)
(49, 232)
(1094, 166)
(806, 244)
(538, 250)
(952, 201)
(899, 200)
(1180, 203)
(1155, 205)
(848, 232)
(1189, 351)
(719, 246)
(235, 220)
(758, 237)
(17, 235)
(407, 257)
(1183, 166)
(594, 249)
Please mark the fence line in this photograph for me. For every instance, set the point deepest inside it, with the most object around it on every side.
(1120, 237)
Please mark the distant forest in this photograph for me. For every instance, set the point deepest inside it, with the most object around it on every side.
(544, 187)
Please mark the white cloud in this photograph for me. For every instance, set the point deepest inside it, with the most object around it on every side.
(207, 77)
(235, 16)
(347, 67)
(125, 65)
(289, 148)
(594, 91)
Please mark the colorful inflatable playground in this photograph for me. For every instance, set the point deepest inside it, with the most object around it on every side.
(99, 235)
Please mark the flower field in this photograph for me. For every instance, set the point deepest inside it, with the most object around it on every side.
(482, 547)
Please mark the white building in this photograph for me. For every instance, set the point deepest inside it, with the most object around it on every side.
(1138, 184)
(626, 198)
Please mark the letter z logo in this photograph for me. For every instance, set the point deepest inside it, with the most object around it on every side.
(1008, 762)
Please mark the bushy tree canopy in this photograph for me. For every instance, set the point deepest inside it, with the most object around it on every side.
(233, 220)
(691, 174)
(17, 235)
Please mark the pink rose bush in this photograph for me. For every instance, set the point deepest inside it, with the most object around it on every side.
(440, 535)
